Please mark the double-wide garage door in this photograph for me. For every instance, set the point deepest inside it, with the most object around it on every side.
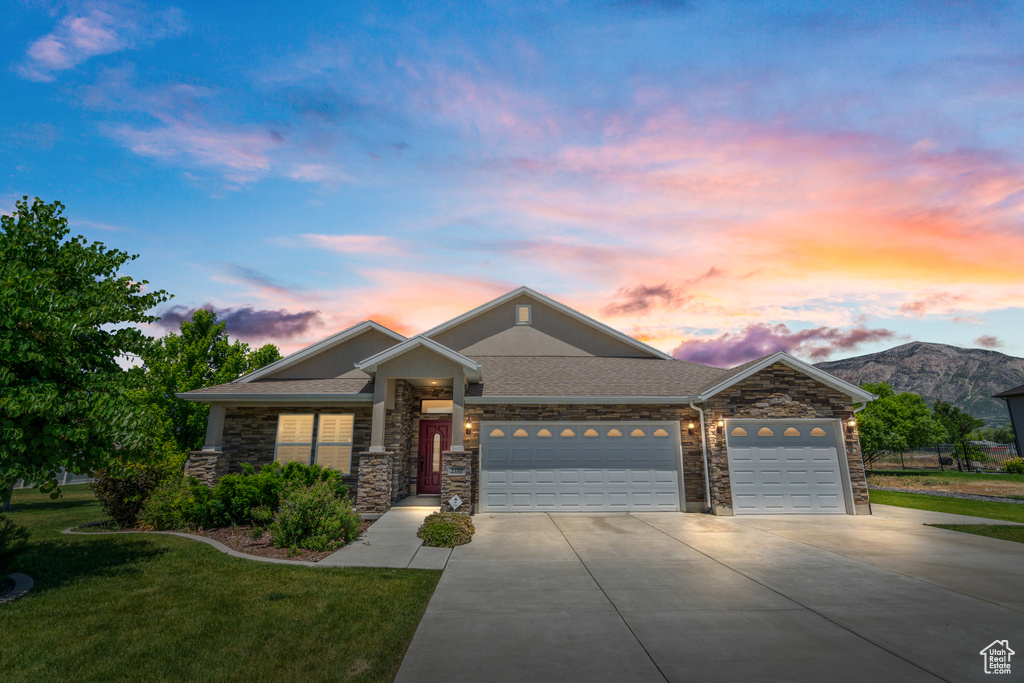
(579, 466)
(786, 467)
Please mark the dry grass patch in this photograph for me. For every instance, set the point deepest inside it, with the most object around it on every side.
(981, 486)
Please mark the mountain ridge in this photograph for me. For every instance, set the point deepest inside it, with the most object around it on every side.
(965, 377)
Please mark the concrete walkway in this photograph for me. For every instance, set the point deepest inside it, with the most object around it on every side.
(674, 597)
(392, 542)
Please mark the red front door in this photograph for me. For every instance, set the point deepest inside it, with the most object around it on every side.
(435, 438)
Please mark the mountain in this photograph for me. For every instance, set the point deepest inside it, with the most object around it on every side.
(963, 377)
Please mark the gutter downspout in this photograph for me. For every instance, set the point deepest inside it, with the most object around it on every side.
(704, 451)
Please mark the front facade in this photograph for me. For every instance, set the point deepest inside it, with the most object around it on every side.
(524, 404)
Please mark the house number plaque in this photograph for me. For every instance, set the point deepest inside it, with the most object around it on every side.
(456, 471)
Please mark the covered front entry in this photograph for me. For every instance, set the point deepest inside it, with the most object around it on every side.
(787, 467)
(579, 466)
(435, 439)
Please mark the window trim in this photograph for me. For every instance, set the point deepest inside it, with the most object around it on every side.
(529, 314)
(277, 437)
(351, 444)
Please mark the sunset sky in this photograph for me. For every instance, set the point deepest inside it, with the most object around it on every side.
(720, 179)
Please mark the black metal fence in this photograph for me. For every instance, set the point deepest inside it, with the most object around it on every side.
(965, 457)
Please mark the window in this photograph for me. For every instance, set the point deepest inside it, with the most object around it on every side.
(523, 315)
(614, 432)
(568, 433)
(591, 432)
(792, 431)
(294, 438)
(739, 431)
(432, 406)
(334, 442)
(436, 453)
(520, 433)
(817, 431)
(660, 432)
(543, 433)
(764, 431)
(497, 432)
(637, 432)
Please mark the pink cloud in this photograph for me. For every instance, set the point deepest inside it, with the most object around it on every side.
(98, 32)
(989, 341)
(244, 151)
(353, 244)
(757, 340)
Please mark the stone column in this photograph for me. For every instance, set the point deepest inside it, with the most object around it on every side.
(373, 495)
(457, 479)
(206, 466)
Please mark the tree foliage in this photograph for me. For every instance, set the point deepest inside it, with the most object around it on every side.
(200, 355)
(66, 314)
(957, 423)
(894, 423)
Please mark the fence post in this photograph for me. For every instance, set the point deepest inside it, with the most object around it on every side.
(939, 451)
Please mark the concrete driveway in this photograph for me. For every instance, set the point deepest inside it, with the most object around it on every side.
(680, 597)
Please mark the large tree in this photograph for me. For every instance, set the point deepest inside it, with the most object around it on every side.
(67, 315)
(201, 355)
(894, 423)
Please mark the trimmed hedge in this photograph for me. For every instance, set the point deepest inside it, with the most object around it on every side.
(446, 530)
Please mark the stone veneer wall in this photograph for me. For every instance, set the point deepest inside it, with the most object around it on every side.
(693, 469)
(398, 439)
(375, 483)
(778, 392)
(206, 466)
(250, 434)
(460, 485)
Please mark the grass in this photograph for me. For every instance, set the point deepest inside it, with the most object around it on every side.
(1011, 512)
(951, 475)
(147, 607)
(1005, 532)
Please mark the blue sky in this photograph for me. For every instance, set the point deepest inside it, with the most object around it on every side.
(722, 180)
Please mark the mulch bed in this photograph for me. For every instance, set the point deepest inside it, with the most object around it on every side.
(240, 539)
(6, 586)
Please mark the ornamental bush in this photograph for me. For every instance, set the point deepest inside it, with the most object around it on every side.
(123, 489)
(314, 518)
(13, 539)
(239, 494)
(181, 503)
(446, 530)
(1014, 466)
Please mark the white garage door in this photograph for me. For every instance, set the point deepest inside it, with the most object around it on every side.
(579, 466)
(785, 467)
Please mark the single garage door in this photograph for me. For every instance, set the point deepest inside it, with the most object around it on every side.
(579, 466)
(785, 467)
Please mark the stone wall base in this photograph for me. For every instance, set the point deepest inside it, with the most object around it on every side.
(206, 466)
(375, 484)
(457, 484)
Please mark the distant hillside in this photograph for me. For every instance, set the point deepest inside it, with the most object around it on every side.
(963, 377)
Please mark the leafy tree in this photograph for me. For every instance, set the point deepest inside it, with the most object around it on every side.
(958, 425)
(65, 320)
(894, 423)
(995, 434)
(200, 356)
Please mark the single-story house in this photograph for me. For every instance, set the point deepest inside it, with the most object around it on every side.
(524, 404)
(1015, 405)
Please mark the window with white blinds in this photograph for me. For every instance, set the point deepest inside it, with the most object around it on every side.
(294, 438)
(334, 442)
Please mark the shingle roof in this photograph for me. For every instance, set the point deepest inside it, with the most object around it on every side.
(1009, 393)
(585, 376)
(338, 385)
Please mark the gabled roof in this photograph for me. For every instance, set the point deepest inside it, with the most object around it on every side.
(742, 372)
(471, 367)
(1010, 393)
(599, 326)
(320, 347)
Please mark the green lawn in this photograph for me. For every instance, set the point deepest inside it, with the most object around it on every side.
(1006, 532)
(1011, 512)
(951, 475)
(144, 607)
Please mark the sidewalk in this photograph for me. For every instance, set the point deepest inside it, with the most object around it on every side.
(392, 542)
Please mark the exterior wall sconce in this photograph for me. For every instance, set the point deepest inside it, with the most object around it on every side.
(851, 425)
(469, 427)
(689, 429)
(720, 427)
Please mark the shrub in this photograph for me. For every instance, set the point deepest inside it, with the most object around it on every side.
(239, 494)
(123, 488)
(13, 539)
(181, 503)
(1014, 466)
(314, 518)
(446, 530)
